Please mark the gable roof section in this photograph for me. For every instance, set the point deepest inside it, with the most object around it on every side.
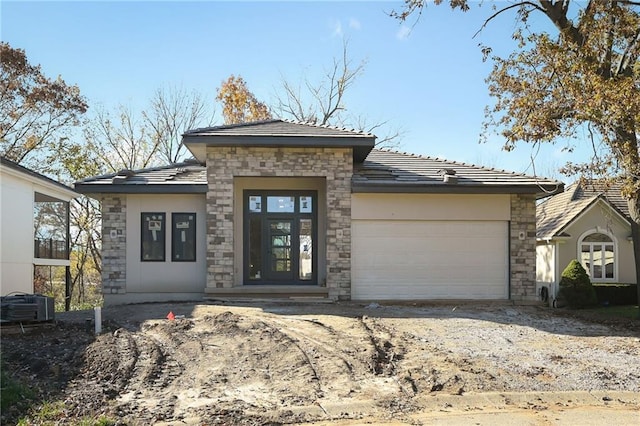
(556, 213)
(278, 133)
(612, 191)
(188, 177)
(37, 177)
(390, 171)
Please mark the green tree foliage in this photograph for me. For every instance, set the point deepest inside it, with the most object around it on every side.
(575, 287)
(239, 105)
(586, 76)
(36, 112)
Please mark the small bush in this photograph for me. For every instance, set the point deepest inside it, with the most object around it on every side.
(575, 287)
(616, 294)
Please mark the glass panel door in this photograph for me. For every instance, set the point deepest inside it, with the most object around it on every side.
(305, 231)
(279, 249)
(280, 237)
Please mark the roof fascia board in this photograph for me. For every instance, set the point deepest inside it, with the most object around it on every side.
(361, 145)
(141, 189)
(420, 187)
(280, 141)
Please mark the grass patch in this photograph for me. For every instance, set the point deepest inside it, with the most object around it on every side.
(625, 311)
(13, 394)
(51, 413)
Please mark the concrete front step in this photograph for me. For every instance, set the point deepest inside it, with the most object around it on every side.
(268, 292)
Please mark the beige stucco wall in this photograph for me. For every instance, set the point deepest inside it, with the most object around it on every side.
(274, 183)
(167, 276)
(600, 216)
(545, 262)
(16, 229)
(430, 207)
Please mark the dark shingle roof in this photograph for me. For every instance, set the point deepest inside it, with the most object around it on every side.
(382, 171)
(186, 177)
(278, 133)
(278, 127)
(390, 171)
(556, 213)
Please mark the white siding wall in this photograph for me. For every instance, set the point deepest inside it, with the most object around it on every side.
(167, 276)
(16, 228)
(16, 235)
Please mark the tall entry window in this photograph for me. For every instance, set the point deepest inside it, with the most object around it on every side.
(280, 237)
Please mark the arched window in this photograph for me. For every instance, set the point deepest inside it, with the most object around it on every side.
(598, 255)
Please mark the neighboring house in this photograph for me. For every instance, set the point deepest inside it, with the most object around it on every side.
(34, 226)
(291, 209)
(588, 222)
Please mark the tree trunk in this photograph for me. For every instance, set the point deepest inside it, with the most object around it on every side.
(634, 212)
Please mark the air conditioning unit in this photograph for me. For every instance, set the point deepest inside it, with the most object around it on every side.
(546, 292)
(27, 307)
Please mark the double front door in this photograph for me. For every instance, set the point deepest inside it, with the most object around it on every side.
(280, 237)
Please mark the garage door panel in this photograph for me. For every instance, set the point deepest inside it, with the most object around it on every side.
(429, 259)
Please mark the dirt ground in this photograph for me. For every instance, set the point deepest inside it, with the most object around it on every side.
(276, 362)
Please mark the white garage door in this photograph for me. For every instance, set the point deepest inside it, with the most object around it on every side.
(412, 260)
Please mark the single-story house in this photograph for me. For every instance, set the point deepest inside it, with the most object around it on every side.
(589, 222)
(294, 209)
(34, 226)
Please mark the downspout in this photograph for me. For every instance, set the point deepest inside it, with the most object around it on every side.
(509, 261)
(67, 275)
(556, 268)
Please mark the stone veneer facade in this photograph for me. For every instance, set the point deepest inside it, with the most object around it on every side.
(114, 249)
(333, 164)
(522, 262)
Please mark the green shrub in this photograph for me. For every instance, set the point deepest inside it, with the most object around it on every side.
(575, 287)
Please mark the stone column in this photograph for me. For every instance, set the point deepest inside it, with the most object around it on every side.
(339, 233)
(523, 248)
(220, 217)
(114, 243)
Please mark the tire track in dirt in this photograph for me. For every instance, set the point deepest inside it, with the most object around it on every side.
(146, 393)
(385, 355)
(323, 345)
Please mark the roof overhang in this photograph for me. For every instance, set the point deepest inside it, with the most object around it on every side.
(446, 188)
(197, 144)
(44, 183)
(92, 189)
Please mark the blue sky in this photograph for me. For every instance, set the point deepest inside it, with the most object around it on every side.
(427, 80)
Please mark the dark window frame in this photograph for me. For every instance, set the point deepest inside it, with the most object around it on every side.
(192, 233)
(295, 217)
(162, 239)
